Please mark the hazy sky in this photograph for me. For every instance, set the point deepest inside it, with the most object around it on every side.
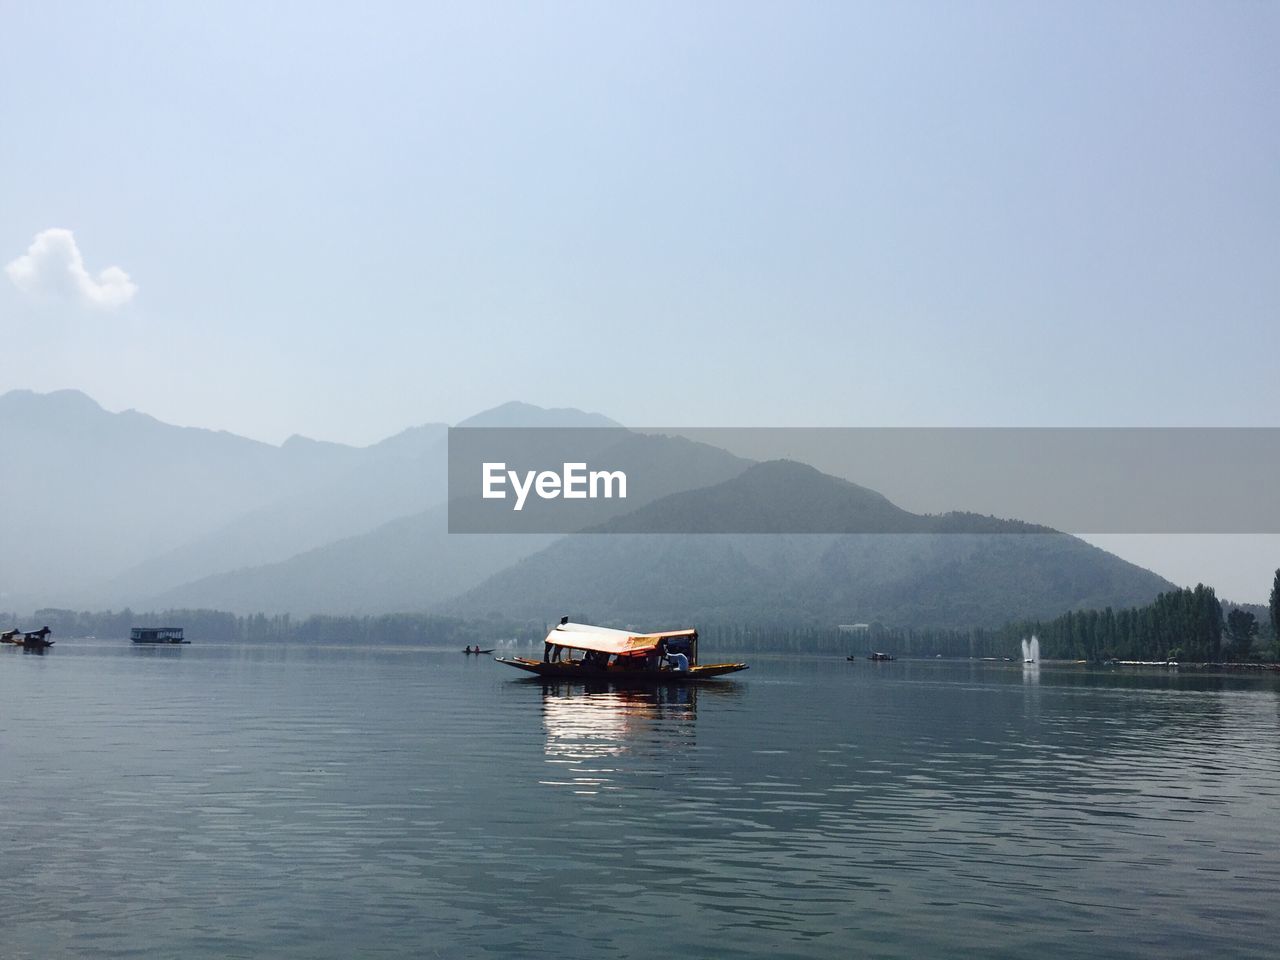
(340, 220)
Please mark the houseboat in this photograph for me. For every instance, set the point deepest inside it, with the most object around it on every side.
(579, 651)
(157, 635)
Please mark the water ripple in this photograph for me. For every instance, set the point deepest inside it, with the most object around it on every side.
(302, 802)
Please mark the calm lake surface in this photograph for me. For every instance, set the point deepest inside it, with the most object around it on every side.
(290, 801)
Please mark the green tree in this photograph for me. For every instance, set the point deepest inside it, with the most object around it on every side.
(1275, 609)
(1242, 627)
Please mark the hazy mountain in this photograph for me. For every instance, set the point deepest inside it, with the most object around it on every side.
(517, 414)
(783, 496)
(405, 565)
(106, 509)
(919, 579)
(402, 475)
(412, 563)
(86, 493)
(100, 508)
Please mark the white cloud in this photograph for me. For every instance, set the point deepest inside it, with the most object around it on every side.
(53, 267)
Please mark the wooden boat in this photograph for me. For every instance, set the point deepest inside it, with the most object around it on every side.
(11, 636)
(879, 656)
(37, 639)
(579, 651)
(157, 635)
(470, 652)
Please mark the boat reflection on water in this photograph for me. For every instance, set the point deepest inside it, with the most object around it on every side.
(587, 720)
(596, 732)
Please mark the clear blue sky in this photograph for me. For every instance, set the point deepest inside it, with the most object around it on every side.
(345, 219)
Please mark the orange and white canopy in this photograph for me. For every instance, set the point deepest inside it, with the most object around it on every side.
(582, 636)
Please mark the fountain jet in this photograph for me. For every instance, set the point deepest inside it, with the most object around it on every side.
(1031, 649)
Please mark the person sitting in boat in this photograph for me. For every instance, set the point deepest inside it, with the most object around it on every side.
(679, 662)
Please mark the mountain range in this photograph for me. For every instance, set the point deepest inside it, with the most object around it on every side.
(955, 569)
(105, 509)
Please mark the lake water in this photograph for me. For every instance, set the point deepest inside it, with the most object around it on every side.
(235, 801)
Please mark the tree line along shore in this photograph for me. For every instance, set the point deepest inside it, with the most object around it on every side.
(1185, 625)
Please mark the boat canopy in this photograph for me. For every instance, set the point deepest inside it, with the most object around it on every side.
(582, 636)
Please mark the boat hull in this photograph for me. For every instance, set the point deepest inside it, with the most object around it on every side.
(576, 671)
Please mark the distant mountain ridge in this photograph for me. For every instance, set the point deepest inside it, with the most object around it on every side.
(517, 414)
(113, 508)
(784, 496)
(99, 491)
(401, 475)
(404, 565)
(955, 569)
(107, 509)
(412, 563)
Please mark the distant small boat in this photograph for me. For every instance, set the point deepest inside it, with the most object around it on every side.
(35, 640)
(879, 656)
(471, 652)
(157, 635)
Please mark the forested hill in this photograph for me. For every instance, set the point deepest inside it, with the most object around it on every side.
(972, 577)
(785, 496)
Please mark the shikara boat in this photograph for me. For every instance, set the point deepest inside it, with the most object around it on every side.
(469, 652)
(579, 651)
(35, 640)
